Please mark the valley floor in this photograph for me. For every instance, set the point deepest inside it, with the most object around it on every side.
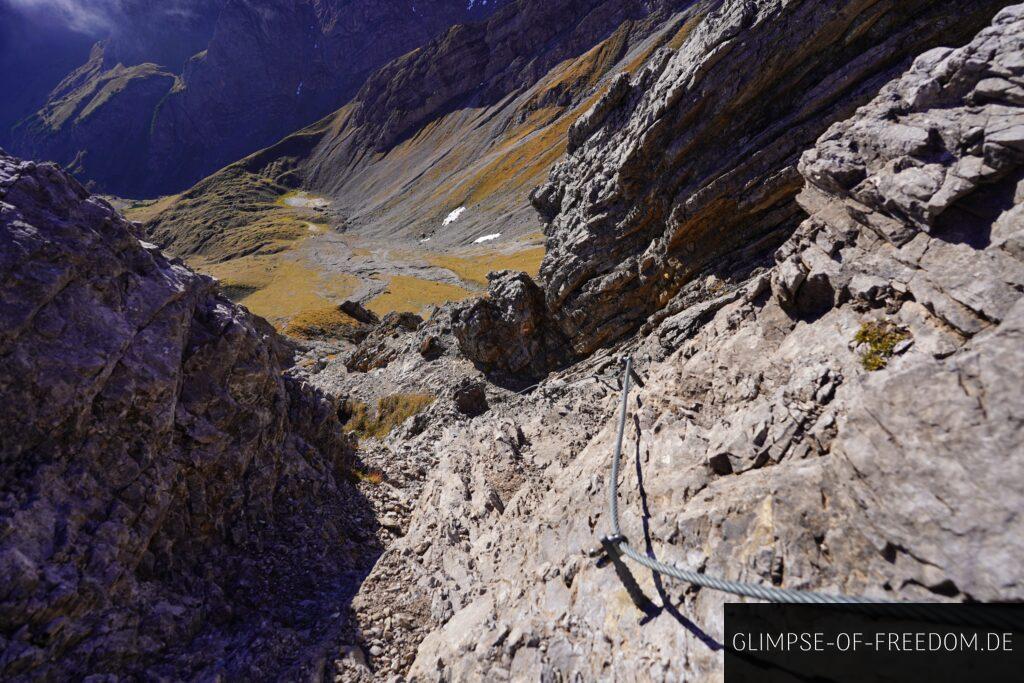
(308, 276)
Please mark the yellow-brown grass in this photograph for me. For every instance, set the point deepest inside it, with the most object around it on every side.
(146, 210)
(277, 287)
(578, 73)
(674, 42)
(412, 295)
(684, 31)
(374, 477)
(314, 323)
(391, 412)
(525, 158)
(230, 214)
(474, 268)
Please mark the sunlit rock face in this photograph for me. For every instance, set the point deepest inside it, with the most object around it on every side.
(689, 168)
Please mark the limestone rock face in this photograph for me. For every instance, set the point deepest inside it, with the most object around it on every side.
(168, 497)
(507, 332)
(850, 419)
(695, 156)
(384, 342)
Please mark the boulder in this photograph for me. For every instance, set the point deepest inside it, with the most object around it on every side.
(470, 398)
(508, 333)
(388, 339)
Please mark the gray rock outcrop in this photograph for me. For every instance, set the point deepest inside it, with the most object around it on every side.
(695, 156)
(384, 343)
(849, 420)
(508, 332)
(169, 497)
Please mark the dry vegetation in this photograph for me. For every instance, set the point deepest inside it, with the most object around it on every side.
(374, 477)
(685, 30)
(391, 411)
(526, 154)
(525, 157)
(412, 295)
(578, 74)
(315, 323)
(146, 210)
(474, 268)
(277, 287)
(230, 214)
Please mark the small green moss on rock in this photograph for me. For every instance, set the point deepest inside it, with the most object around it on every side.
(879, 339)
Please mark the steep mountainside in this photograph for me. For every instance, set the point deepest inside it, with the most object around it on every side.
(33, 59)
(420, 184)
(156, 466)
(55, 55)
(474, 119)
(802, 220)
(265, 68)
(850, 419)
(679, 168)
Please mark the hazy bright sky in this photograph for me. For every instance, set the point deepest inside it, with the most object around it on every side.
(90, 16)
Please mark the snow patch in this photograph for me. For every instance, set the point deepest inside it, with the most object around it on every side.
(454, 215)
(487, 238)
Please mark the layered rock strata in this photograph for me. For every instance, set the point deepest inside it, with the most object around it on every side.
(696, 155)
(849, 419)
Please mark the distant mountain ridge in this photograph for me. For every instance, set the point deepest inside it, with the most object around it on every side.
(446, 142)
(247, 73)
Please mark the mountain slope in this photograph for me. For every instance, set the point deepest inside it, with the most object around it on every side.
(156, 464)
(847, 419)
(265, 69)
(678, 172)
(477, 117)
(33, 59)
(423, 180)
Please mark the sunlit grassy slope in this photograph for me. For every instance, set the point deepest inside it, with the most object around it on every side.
(474, 267)
(262, 228)
(278, 287)
(414, 295)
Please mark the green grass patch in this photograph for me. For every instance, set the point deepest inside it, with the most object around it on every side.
(881, 338)
(391, 411)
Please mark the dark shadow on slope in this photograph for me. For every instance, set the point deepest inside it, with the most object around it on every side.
(281, 605)
(970, 220)
(659, 584)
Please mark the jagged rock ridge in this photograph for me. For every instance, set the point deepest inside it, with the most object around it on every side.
(171, 504)
(693, 159)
